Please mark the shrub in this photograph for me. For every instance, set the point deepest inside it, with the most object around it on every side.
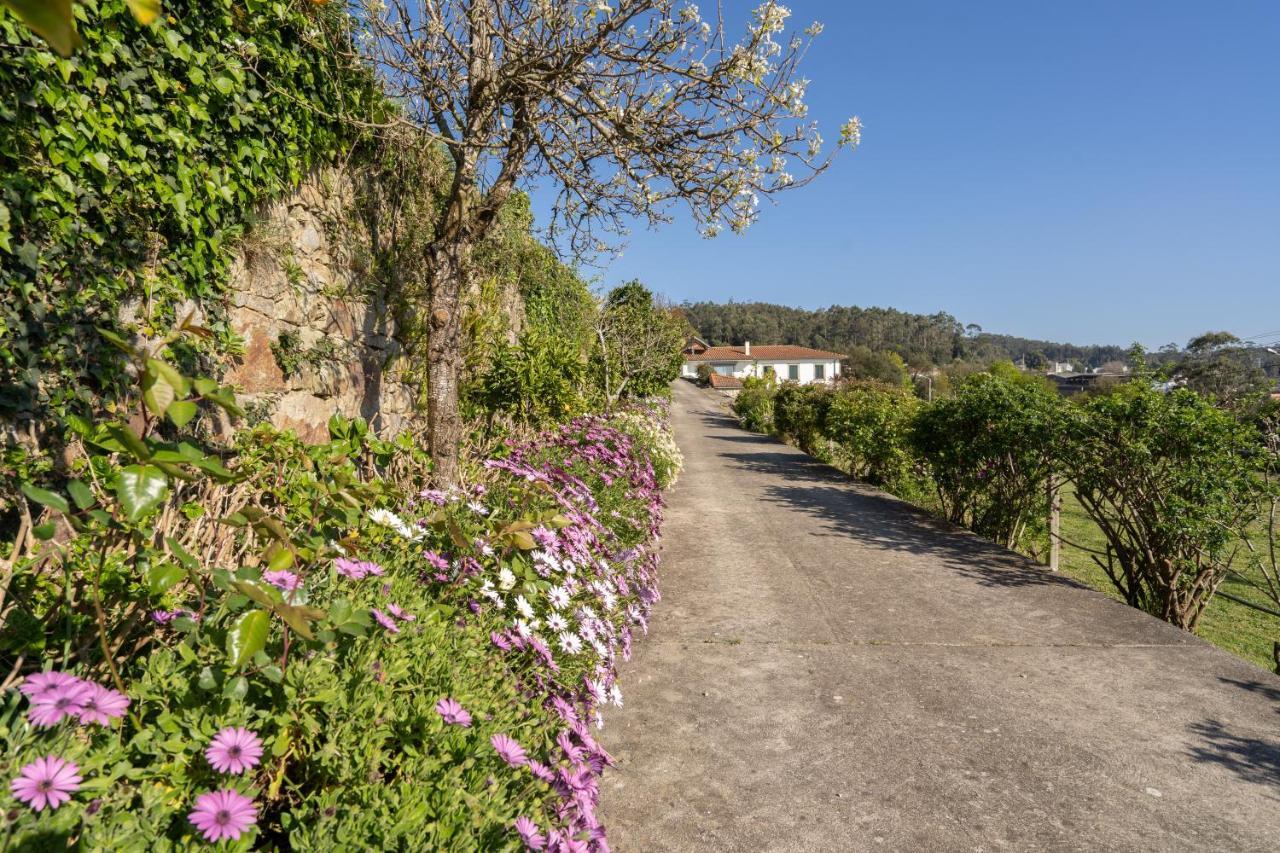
(704, 374)
(870, 423)
(754, 404)
(799, 415)
(1169, 479)
(990, 450)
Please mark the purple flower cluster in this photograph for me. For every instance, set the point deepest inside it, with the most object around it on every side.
(226, 814)
(357, 569)
(58, 696)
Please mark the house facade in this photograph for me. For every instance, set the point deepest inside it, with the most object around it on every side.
(787, 363)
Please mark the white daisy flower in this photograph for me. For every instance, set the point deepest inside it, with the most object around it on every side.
(524, 607)
(615, 695)
(523, 628)
(556, 622)
(478, 508)
(506, 579)
(558, 596)
(570, 643)
(609, 600)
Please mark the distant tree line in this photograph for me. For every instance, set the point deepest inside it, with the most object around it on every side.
(920, 340)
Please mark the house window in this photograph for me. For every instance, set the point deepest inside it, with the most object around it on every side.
(793, 372)
(723, 369)
(819, 371)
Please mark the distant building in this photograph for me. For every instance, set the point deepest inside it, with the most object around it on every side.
(788, 363)
(1074, 383)
(693, 345)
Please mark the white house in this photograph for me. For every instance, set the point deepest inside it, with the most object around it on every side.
(788, 363)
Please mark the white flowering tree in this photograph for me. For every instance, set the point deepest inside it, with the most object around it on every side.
(623, 109)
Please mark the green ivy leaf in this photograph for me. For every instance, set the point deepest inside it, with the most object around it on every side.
(49, 19)
(129, 441)
(247, 636)
(45, 532)
(140, 489)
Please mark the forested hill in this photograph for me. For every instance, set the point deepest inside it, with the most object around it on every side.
(919, 338)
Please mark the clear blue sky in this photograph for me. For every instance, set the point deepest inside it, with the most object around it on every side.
(1092, 172)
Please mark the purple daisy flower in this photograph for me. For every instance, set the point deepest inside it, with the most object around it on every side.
(356, 569)
(223, 814)
(385, 621)
(529, 833)
(285, 581)
(48, 781)
(101, 705)
(508, 750)
(41, 683)
(234, 750)
(541, 771)
(403, 616)
(452, 712)
(59, 703)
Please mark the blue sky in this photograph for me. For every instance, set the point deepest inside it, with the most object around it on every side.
(1093, 172)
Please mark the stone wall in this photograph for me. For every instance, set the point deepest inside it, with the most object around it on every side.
(319, 337)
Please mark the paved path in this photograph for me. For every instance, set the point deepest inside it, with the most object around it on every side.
(830, 669)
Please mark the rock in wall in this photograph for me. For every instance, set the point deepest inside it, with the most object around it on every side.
(318, 335)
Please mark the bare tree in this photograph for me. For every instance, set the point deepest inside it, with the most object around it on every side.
(623, 109)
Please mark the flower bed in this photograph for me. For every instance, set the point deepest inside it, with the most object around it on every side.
(428, 677)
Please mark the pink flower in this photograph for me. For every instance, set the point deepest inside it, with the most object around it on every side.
(48, 781)
(529, 833)
(285, 581)
(59, 703)
(223, 814)
(101, 705)
(394, 610)
(541, 771)
(385, 621)
(356, 569)
(41, 683)
(452, 712)
(234, 750)
(508, 750)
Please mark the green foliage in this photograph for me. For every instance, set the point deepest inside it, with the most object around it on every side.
(990, 450)
(800, 415)
(870, 424)
(1170, 480)
(887, 368)
(536, 382)
(640, 342)
(1219, 366)
(754, 404)
(704, 374)
(128, 170)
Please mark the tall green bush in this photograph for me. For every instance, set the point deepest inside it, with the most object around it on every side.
(754, 404)
(800, 415)
(1170, 480)
(990, 450)
(870, 424)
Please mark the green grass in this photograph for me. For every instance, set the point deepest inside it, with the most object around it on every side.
(1239, 629)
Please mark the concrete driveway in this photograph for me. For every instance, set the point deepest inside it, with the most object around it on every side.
(830, 669)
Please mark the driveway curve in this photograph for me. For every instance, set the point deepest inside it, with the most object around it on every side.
(832, 669)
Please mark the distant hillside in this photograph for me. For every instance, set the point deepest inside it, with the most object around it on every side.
(919, 338)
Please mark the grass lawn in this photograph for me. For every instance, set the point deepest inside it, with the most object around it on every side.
(1240, 630)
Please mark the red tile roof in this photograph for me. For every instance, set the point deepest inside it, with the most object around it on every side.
(725, 383)
(762, 353)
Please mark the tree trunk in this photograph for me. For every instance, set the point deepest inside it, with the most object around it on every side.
(449, 269)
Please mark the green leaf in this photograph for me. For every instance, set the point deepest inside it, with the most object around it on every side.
(117, 341)
(161, 386)
(49, 19)
(45, 532)
(206, 680)
(181, 412)
(248, 636)
(163, 576)
(236, 689)
(189, 562)
(299, 617)
(140, 489)
(80, 494)
(129, 440)
(280, 560)
(264, 594)
(46, 497)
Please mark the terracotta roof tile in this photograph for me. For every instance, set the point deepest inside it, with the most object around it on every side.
(762, 353)
(725, 383)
